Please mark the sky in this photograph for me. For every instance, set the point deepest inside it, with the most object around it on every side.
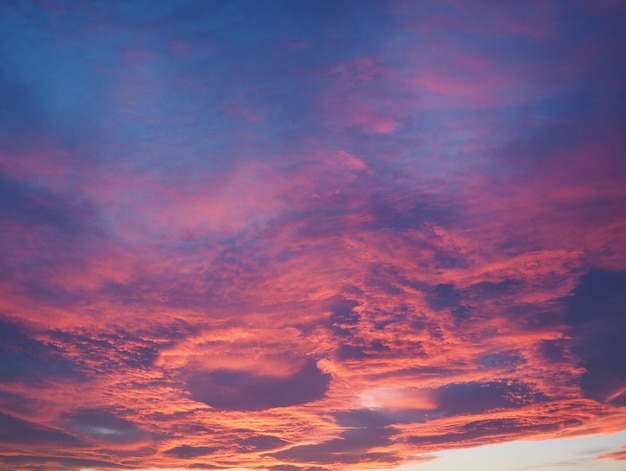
(295, 235)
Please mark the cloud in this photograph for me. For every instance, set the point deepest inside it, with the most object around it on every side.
(379, 418)
(29, 204)
(352, 447)
(249, 391)
(476, 398)
(479, 432)
(106, 352)
(307, 236)
(25, 359)
(57, 463)
(443, 296)
(262, 443)
(17, 431)
(595, 315)
(343, 319)
(616, 455)
(104, 426)
(186, 451)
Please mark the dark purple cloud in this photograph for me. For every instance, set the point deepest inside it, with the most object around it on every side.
(262, 443)
(187, 451)
(443, 296)
(596, 315)
(481, 431)
(25, 359)
(17, 431)
(476, 398)
(351, 448)
(247, 390)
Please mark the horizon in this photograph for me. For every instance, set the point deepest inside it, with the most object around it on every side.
(312, 235)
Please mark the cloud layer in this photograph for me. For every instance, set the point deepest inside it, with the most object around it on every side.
(308, 235)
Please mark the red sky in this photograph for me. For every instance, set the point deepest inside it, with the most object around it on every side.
(308, 235)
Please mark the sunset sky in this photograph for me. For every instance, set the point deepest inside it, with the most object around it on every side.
(312, 235)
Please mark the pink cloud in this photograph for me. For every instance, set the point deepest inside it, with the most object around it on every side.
(617, 455)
